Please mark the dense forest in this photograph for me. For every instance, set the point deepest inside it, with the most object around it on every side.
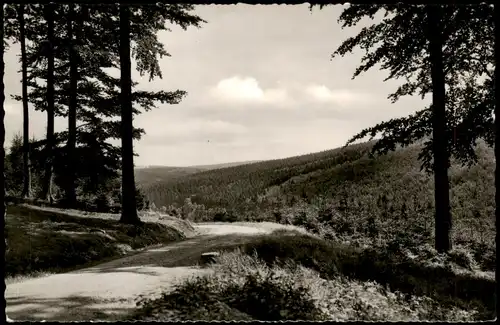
(153, 174)
(345, 188)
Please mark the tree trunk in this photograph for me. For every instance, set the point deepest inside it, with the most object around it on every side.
(71, 144)
(440, 148)
(26, 119)
(3, 206)
(129, 209)
(49, 148)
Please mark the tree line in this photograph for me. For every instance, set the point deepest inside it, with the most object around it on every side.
(67, 52)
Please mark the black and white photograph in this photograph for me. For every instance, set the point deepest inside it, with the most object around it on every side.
(249, 162)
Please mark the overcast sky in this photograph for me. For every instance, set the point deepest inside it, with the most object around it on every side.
(260, 86)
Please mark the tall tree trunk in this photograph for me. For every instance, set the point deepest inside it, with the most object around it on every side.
(71, 144)
(26, 119)
(440, 148)
(129, 208)
(3, 206)
(49, 148)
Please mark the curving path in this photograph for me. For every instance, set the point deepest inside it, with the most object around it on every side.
(109, 291)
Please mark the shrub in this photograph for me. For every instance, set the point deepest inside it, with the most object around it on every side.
(394, 266)
(274, 297)
(140, 199)
(243, 287)
(462, 257)
(103, 202)
(308, 251)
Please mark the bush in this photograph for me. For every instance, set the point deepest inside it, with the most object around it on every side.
(140, 199)
(463, 258)
(308, 251)
(393, 267)
(252, 292)
(275, 297)
(103, 202)
(243, 287)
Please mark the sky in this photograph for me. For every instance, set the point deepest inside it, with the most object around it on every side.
(261, 85)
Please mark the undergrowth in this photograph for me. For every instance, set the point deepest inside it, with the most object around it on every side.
(413, 272)
(244, 287)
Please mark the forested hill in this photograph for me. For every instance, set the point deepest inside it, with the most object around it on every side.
(338, 174)
(146, 176)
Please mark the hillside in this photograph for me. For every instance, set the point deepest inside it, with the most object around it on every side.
(149, 175)
(225, 165)
(356, 196)
(146, 176)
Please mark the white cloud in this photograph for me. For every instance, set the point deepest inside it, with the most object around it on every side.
(247, 89)
(341, 97)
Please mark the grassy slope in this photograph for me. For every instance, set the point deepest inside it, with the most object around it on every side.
(45, 240)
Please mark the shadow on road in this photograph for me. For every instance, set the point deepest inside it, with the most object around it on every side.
(185, 253)
(108, 291)
(72, 308)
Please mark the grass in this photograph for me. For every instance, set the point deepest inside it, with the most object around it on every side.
(47, 240)
(246, 286)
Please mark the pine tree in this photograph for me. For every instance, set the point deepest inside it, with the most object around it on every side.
(428, 58)
(70, 189)
(129, 209)
(98, 108)
(434, 31)
(47, 49)
(26, 150)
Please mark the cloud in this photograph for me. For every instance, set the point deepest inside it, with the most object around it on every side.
(341, 97)
(246, 90)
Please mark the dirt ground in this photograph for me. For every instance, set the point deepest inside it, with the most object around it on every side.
(109, 291)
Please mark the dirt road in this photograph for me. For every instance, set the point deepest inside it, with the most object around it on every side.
(109, 291)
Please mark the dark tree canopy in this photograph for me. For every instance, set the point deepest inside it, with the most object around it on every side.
(398, 44)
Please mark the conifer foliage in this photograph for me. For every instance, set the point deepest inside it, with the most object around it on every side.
(444, 50)
(70, 52)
